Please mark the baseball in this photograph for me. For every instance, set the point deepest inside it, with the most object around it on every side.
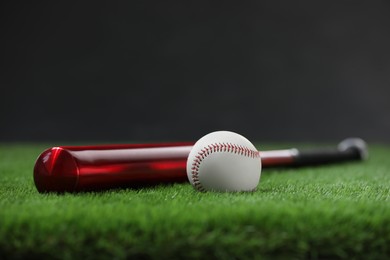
(224, 161)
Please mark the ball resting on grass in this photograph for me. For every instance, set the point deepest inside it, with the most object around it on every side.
(224, 161)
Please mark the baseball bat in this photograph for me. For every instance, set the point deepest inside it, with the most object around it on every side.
(100, 167)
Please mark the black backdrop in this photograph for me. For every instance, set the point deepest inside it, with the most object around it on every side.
(174, 70)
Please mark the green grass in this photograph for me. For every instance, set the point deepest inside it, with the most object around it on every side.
(338, 211)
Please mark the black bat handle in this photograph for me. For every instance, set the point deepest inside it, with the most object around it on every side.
(348, 150)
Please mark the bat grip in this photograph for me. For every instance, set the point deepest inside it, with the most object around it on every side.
(325, 156)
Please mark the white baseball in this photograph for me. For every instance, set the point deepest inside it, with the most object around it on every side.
(224, 161)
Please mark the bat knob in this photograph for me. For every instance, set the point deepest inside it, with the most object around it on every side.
(355, 143)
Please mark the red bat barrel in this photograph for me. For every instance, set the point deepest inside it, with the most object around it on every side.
(87, 168)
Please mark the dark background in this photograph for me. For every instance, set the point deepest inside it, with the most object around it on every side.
(174, 70)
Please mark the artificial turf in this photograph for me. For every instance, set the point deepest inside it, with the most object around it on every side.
(335, 211)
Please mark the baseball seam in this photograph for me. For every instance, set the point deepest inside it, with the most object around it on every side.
(213, 148)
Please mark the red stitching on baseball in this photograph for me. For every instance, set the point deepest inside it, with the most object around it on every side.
(217, 147)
